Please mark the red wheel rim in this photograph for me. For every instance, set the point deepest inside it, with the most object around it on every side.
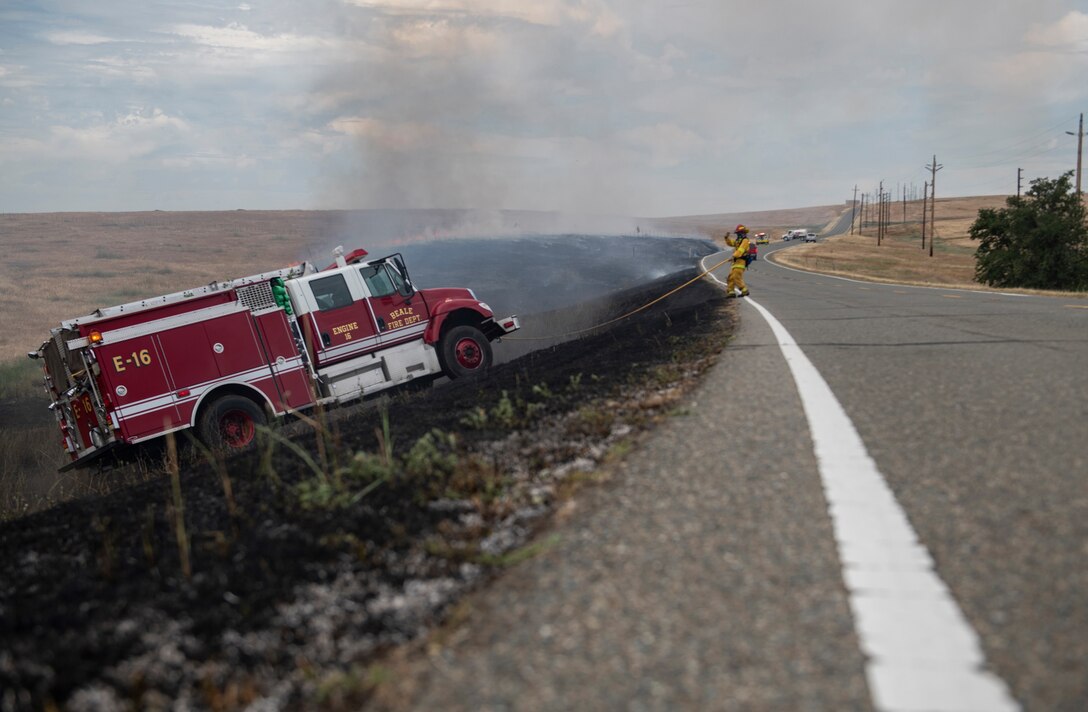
(237, 428)
(468, 353)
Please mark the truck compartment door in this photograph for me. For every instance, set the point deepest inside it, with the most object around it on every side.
(290, 370)
(134, 371)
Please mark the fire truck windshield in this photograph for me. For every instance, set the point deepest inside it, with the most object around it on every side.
(384, 280)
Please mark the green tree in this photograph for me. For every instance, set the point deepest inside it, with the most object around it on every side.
(1040, 241)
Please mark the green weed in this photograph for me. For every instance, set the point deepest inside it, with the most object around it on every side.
(433, 455)
(339, 689)
(503, 413)
(475, 419)
(529, 551)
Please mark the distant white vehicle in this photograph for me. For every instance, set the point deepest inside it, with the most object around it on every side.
(810, 237)
(795, 235)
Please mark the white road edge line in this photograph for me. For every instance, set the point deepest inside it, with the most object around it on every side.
(921, 652)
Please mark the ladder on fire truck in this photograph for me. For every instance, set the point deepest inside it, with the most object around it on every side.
(252, 298)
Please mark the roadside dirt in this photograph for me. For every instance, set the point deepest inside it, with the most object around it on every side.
(299, 574)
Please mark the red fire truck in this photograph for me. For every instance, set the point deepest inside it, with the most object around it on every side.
(228, 357)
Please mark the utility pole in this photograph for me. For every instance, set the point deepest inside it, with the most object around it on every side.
(861, 216)
(933, 168)
(1019, 173)
(887, 212)
(880, 214)
(1080, 147)
(853, 207)
(925, 196)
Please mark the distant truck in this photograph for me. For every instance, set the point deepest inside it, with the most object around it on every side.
(795, 235)
(226, 358)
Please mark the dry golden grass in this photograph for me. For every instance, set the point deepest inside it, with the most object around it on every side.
(62, 265)
(29, 479)
(900, 257)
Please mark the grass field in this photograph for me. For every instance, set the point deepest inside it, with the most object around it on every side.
(63, 265)
(900, 257)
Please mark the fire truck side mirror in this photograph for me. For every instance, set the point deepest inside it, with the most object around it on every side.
(404, 287)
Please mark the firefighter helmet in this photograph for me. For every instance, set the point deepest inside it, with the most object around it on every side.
(741, 230)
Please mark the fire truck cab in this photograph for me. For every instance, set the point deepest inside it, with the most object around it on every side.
(226, 358)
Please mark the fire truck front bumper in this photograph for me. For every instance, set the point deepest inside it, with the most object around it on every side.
(498, 328)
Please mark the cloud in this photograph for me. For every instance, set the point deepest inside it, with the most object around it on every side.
(16, 77)
(76, 37)
(135, 135)
(210, 160)
(595, 14)
(1069, 34)
(1048, 66)
(606, 105)
(441, 38)
(239, 37)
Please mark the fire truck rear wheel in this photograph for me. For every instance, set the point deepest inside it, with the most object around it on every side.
(465, 352)
(230, 423)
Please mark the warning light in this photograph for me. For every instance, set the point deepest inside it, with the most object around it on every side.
(183, 393)
(95, 337)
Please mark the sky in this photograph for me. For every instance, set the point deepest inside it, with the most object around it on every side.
(611, 107)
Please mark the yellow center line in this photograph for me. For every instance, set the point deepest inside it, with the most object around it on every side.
(1075, 306)
(952, 296)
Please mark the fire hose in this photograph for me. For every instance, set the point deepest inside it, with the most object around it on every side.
(631, 313)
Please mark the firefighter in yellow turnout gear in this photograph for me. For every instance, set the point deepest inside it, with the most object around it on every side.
(740, 246)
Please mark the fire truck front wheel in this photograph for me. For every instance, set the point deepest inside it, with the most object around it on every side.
(465, 351)
(230, 423)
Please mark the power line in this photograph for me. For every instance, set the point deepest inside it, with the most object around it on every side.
(1052, 129)
(1017, 157)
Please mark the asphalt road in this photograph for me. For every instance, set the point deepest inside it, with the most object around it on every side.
(709, 573)
(974, 405)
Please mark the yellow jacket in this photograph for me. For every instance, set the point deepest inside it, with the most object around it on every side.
(740, 245)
